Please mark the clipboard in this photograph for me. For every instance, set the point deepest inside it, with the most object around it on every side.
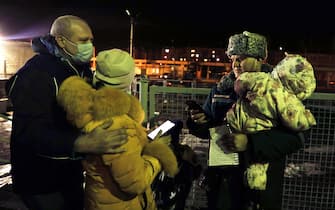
(217, 155)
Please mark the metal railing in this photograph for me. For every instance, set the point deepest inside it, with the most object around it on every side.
(309, 182)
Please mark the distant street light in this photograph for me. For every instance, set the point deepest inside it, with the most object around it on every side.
(131, 32)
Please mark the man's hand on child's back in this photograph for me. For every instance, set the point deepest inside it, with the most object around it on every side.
(103, 140)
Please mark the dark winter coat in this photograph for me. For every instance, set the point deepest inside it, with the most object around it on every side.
(219, 100)
(42, 139)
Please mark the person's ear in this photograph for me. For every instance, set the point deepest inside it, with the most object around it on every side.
(60, 41)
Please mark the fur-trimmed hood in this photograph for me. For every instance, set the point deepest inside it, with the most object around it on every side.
(90, 104)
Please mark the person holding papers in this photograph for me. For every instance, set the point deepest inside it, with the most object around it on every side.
(226, 187)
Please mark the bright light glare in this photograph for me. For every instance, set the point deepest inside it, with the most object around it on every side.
(2, 50)
(137, 70)
(2, 56)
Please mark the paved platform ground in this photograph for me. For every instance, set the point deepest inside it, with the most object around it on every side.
(9, 200)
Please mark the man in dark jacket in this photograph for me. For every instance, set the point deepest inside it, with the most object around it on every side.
(45, 149)
(226, 187)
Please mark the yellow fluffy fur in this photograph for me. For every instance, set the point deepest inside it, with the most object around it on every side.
(89, 105)
(164, 154)
(78, 104)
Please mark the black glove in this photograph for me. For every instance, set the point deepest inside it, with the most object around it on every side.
(193, 105)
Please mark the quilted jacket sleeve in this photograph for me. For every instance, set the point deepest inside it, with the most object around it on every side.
(292, 111)
(255, 109)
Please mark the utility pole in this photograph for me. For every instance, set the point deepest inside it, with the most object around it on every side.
(131, 32)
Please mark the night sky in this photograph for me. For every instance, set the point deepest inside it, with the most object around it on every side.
(296, 26)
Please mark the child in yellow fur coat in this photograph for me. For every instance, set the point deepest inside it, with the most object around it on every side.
(116, 181)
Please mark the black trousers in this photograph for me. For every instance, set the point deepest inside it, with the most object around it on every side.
(226, 190)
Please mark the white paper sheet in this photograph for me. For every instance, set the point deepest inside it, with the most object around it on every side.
(217, 155)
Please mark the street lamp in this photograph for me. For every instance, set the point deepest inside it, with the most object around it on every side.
(131, 32)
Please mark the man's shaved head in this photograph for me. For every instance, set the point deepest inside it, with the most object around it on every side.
(63, 25)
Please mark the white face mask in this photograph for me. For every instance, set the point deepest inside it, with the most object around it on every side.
(84, 52)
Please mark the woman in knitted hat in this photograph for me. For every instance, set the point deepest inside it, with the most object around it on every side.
(116, 181)
(227, 188)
